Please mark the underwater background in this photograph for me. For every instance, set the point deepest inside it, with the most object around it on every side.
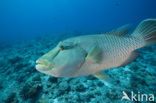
(30, 28)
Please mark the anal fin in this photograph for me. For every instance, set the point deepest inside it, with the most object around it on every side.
(130, 58)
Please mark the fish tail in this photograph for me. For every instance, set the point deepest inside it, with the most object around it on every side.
(146, 32)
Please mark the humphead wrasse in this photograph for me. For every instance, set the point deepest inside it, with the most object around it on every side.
(91, 54)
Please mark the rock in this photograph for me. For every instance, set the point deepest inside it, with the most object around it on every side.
(86, 97)
(24, 91)
(29, 91)
(150, 80)
(36, 78)
(100, 84)
(19, 66)
(64, 86)
(1, 86)
(52, 79)
(112, 95)
(80, 88)
(43, 100)
(34, 91)
(10, 98)
(48, 85)
(20, 78)
(15, 59)
(134, 67)
(15, 101)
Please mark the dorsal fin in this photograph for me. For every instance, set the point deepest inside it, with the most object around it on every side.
(121, 31)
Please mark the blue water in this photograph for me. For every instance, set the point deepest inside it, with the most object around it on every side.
(26, 18)
(30, 28)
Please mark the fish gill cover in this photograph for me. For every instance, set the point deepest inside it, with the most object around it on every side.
(31, 28)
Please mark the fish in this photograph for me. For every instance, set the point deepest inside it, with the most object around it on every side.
(91, 54)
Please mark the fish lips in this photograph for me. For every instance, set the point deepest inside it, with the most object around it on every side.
(42, 66)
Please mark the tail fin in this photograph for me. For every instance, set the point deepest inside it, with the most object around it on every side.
(146, 31)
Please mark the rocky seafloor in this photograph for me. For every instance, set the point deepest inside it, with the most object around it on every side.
(20, 82)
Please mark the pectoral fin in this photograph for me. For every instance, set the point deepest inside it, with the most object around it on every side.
(94, 56)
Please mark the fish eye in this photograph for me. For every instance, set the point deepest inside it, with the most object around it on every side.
(61, 47)
(65, 45)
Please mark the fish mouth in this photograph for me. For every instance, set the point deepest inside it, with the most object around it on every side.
(42, 65)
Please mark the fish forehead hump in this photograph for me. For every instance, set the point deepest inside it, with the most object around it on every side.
(69, 61)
